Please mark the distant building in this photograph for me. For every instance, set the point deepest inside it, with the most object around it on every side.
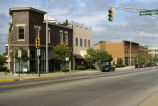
(82, 40)
(153, 52)
(122, 50)
(25, 26)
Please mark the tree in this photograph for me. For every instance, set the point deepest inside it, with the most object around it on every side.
(24, 55)
(98, 56)
(2, 60)
(119, 61)
(60, 52)
(101, 41)
(144, 58)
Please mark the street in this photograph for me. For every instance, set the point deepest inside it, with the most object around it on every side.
(124, 88)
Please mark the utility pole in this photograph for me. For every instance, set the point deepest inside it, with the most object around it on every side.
(130, 52)
(47, 36)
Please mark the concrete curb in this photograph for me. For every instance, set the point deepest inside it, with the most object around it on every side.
(22, 79)
(46, 77)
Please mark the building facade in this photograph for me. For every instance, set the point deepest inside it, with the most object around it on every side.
(126, 50)
(82, 40)
(25, 26)
(153, 52)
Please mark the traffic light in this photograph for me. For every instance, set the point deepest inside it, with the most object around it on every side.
(111, 14)
(37, 42)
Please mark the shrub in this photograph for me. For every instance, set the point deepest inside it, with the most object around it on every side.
(120, 65)
(4, 69)
(81, 67)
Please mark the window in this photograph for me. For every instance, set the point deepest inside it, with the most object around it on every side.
(89, 43)
(37, 32)
(76, 41)
(85, 43)
(80, 42)
(48, 35)
(66, 38)
(21, 33)
(61, 37)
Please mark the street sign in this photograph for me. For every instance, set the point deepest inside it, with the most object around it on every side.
(148, 12)
(67, 59)
(38, 52)
(19, 53)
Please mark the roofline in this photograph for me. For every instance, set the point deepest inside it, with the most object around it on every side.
(59, 25)
(25, 8)
(125, 41)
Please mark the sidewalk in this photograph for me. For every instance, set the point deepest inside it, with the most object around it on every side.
(15, 77)
(152, 101)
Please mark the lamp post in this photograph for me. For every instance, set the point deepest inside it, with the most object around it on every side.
(47, 36)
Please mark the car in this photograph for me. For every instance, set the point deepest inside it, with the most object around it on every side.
(150, 65)
(109, 68)
(144, 64)
(138, 65)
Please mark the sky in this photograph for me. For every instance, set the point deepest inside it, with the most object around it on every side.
(94, 13)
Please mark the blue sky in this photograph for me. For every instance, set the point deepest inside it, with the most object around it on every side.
(94, 13)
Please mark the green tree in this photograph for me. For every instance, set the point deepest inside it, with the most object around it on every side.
(119, 61)
(98, 56)
(24, 55)
(140, 58)
(2, 60)
(101, 41)
(60, 52)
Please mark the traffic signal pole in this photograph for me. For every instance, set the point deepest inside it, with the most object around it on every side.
(38, 54)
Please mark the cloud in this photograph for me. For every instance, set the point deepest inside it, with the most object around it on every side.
(126, 25)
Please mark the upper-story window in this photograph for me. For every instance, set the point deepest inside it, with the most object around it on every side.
(76, 41)
(66, 38)
(80, 42)
(49, 35)
(85, 43)
(21, 34)
(89, 43)
(61, 37)
(37, 31)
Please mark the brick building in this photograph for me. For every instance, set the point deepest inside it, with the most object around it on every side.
(25, 26)
(122, 50)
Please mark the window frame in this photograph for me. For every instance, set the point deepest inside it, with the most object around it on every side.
(49, 40)
(61, 37)
(39, 28)
(76, 41)
(66, 38)
(89, 43)
(85, 42)
(18, 26)
(81, 42)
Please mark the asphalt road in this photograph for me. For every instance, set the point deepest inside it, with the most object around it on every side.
(126, 88)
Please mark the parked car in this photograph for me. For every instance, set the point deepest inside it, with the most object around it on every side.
(138, 65)
(150, 65)
(109, 67)
(144, 64)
